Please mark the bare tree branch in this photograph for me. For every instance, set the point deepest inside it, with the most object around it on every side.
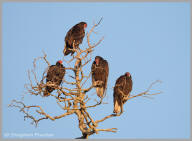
(71, 99)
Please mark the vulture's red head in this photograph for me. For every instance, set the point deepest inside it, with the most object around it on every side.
(128, 74)
(85, 25)
(59, 63)
(97, 60)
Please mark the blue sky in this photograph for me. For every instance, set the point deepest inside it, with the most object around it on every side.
(149, 40)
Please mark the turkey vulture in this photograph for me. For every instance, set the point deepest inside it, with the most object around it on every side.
(100, 71)
(74, 37)
(122, 89)
(55, 75)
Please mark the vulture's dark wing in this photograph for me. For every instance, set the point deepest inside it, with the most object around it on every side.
(73, 38)
(69, 38)
(105, 73)
(120, 81)
(117, 96)
(128, 87)
(123, 87)
(100, 74)
(55, 74)
(76, 33)
(120, 86)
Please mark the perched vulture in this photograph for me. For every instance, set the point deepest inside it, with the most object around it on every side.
(55, 76)
(122, 89)
(74, 37)
(100, 71)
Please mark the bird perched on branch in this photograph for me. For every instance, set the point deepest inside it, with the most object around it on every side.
(54, 76)
(74, 37)
(122, 89)
(100, 71)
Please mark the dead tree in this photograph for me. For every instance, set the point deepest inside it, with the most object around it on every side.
(70, 100)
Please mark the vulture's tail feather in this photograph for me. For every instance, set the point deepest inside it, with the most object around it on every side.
(117, 107)
(100, 91)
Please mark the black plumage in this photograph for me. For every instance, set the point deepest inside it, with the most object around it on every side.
(74, 37)
(122, 89)
(54, 76)
(100, 71)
